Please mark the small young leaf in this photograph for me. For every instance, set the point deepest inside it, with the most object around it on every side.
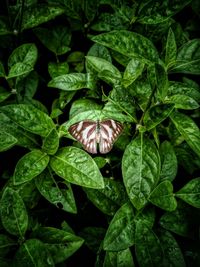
(163, 197)
(77, 167)
(190, 193)
(141, 170)
(29, 166)
(6, 141)
(13, 212)
(121, 230)
(51, 142)
(121, 258)
(29, 118)
(33, 253)
(55, 193)
(171, 49)
(58, 69)
(73, 82)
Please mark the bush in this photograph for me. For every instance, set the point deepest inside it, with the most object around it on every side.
(93, 71)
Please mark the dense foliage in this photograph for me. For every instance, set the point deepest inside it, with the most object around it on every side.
(136, 62)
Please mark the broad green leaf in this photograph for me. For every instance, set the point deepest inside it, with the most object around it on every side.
(56, 39)
(99, 51)
(33, 253)
(22, 60)
(128, 43)
(171, 49)
(6, 244)
(58, 69)
(133, 70)
(109, 199)
(169, 164)
(172, 253)
(121, 230)
(188, 58)
(163, 197)
(6, 141)
(161, 81)
(51, 142)
(13, 212)
(59, 194)
(60, 243)
(183, 102)
(29, 118)
(29, 166)
(190, 193)
(106, 70)
(141, 170)
(77, 167)
(147, 241)
(121, 258)
(101, 161)
(73, 82)
(4, 94)
(156, 114)
(38, 14)
(188, 129)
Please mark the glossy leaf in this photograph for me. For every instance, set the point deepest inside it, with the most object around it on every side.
(73, 82)
(33, 253)
(54, 192)
(29, 166)
(183, 102)
(171, 49)
(146, 240)
(169, 164)
(188, 129)
(190, 193)
(60, 243)
(6, 141)
(121, 258)
(141, 170)
(29, 118)
(121, 230)
(13, 213)
(51, 142)
(77, 167)
(163, 197)
(22, 60)
(58, 69)
(128, 43)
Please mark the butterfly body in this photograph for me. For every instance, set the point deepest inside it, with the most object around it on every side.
(90, 133)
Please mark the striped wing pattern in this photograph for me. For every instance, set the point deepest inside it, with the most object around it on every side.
(91, 133)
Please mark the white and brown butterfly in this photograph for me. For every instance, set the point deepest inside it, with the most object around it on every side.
(90, 133)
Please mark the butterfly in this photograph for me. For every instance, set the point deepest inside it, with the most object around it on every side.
(90, 133)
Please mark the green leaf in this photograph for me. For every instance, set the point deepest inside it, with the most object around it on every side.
(100, 51)
(6, 244)
(58, 69)
(141, 170)
(147, 241)
(60, 243)
(33, 253)
(169, 164)
(171, 49)
(73, 82)
(161, 81)
(29, 118)
(133, 70)
(118, 259)
(188, 129)
(38, 14)
(29, 166)
(108, 199)
(128, 43)
(56, 39)
(22, 60)
(156, 114)
(6, 141)
(121, 230)
(51, 142)
(183, 102)
(190, 193)
(13, 212)
(4, 94)
(163, 197)
(59, 194)
(188, 58)
(77, 167)
(172, 253)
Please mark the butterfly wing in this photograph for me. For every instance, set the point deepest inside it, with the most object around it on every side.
(85, 132)
(109, 131)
